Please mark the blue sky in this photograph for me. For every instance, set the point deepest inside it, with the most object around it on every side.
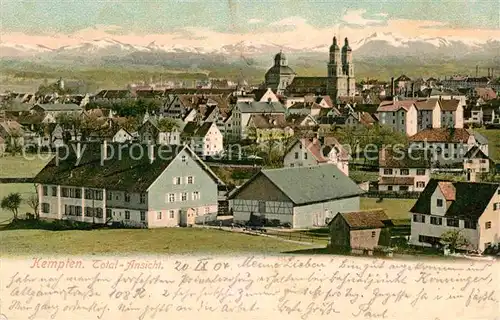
(67, 16)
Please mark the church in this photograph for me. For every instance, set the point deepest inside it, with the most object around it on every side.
(340, 81)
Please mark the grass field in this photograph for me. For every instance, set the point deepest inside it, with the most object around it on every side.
(134, 241)
(396, 209)
(20, 167)
(25, 189)
(493, 136)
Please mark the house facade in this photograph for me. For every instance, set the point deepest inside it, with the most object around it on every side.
(407, 171)
(155, 188)
(205, 139)
(360, 231)
(310, 152)
(473, 209)
(242, 112)
(300, 197)
(122, 136)
(400, 116)
(150, 133)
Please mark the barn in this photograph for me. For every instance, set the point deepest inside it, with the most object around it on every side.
(300, 197)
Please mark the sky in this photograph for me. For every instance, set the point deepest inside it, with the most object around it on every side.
(208, 23)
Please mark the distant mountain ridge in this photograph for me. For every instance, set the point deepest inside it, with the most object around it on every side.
(376, 45)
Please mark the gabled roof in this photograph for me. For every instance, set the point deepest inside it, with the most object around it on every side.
(402, 78)
(59, 107)
(453, 135)
(260, 107)
(427, 104)
(449, 105)
(193, 129)
(476, 153)
(471, 198)
(389, 158)
(306, 185)
(368, 219)
(392, 106)
(125, 171)
(268, 121)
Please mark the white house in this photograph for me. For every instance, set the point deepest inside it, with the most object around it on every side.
(138, 185)
(403, 170)
(243, 110)
(204, 138)
(471, 208)
(122, 136)
(149, 132)
(300, 197)
(452, 113)
(476, 162)
(310, 152)
(448, 146)
(400, 115)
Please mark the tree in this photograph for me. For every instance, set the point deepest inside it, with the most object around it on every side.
(12, 202)
(70, 123)
(167, 125)
(454, 239)
(14, 141)
(33, 203)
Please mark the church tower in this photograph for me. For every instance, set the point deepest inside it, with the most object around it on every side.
(337, 81)
(348, 68)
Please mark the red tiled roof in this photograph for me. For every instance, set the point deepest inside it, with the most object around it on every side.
(365, 219)
(448, 190)
(391, 106)
(441, 135)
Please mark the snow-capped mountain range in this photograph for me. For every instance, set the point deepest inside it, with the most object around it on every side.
(375, 45)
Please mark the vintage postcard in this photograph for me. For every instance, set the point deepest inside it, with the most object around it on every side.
(293, 159)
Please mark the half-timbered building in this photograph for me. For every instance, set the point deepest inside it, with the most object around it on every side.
(301, 197)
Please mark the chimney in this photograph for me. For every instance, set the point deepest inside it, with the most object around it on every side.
(151, 153)
(392, 87)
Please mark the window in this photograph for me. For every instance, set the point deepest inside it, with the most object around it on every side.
(450, 222)
(183, 158)
(296, 155)
(469, 224)
(419, 218)
(98, 212)
(305, 155)
(437, 220)
(45, 191)
(127, 215)
(45, 207)
(420, 172)
(262, 206)
(78, 193)
(108, 213)
(127, 197)
(158, 215)
(98, 194)
(190, 180)
(142, 198)
(184, 196)
(65, 192)
(177, 180)
(109, 195)
(196, 195)
(88, 194)
(439, 202)
(54, 191)
(71, 192)
(420, 184)
(171, 197)
(487, 225)
(172, 214)
(373, 234)
(143, 216)
(388, 171)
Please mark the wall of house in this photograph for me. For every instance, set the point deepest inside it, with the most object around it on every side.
(436, 117)
(319, 214)
(122, 136)
(431, 230)
(477, 165)
(492, 234)
(459, 117)
(364, 239)
(339, 233)
(182, 166)
(214, 141)
(411, 121)
(273, 210)
(299, 156)
(412, 172)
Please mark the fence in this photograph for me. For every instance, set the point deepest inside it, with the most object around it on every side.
(299, 236)
(392, 194)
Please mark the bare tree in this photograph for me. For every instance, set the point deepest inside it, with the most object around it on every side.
(33, 203)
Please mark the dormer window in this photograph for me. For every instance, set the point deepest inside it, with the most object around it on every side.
(439, 203)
